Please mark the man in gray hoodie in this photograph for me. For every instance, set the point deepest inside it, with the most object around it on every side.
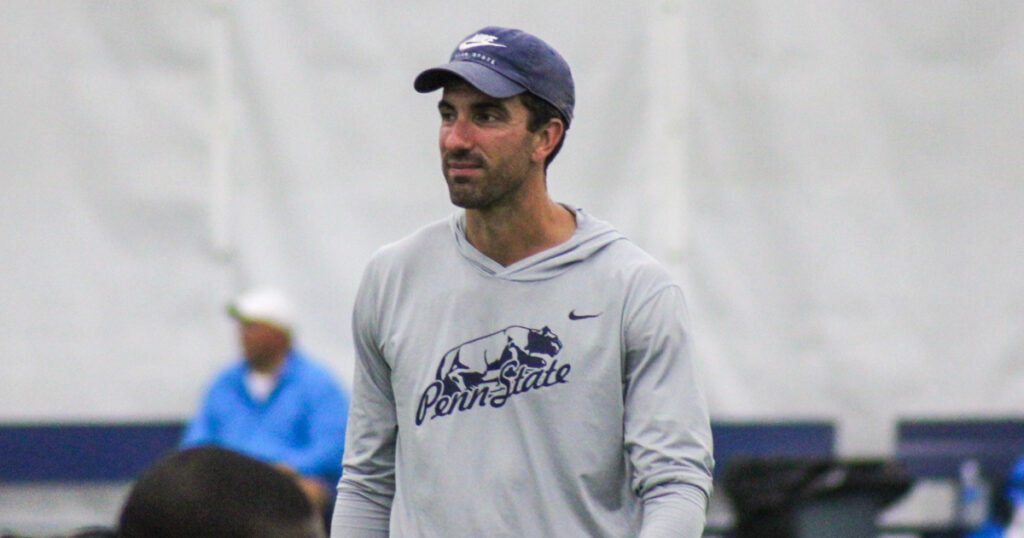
(522, 368)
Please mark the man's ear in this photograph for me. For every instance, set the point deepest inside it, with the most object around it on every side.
(548, 138)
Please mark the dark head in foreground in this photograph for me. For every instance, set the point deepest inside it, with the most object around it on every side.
(209, 492)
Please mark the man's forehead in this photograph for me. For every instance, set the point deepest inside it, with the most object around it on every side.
(464, 91)
(260, 325)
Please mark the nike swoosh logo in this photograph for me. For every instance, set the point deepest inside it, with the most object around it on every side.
(465, 46)
(574, 316)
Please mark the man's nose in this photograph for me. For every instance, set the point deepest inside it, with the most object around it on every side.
(456, 135)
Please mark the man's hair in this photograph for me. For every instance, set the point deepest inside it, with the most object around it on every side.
(541, 112)
(210, 492)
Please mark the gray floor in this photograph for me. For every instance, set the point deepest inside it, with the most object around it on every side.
(929, 504)
(46, 509)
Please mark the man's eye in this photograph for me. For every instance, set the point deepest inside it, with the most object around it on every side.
(487, 117)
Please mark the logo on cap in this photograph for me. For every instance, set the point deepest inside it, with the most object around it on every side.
(480, 40)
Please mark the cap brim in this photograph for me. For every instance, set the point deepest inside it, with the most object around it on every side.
(233, 312)
(238, 316)
(480, 77)
(242, 318)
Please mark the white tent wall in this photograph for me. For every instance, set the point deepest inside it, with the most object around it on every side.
(110, 289)
(856, 185)
(838, 185)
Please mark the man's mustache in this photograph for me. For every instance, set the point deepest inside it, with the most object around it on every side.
(463, 158)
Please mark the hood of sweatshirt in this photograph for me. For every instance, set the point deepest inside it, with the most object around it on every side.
(590, 237)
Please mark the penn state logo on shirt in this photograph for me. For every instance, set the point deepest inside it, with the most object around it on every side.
(488, 370)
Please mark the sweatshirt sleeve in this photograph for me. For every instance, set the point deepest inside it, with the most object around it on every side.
(356, 516)
(674, 511)
(667, 428)
(367, 486)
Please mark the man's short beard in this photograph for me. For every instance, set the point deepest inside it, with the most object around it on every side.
(486, 198)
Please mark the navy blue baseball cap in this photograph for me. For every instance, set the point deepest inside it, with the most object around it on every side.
(503, 62)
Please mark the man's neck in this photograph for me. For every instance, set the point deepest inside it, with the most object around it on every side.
(509, 234)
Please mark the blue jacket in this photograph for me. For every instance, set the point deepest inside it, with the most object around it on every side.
(989, 530)
(302, 423)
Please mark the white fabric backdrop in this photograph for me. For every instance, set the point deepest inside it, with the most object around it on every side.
(838, 185)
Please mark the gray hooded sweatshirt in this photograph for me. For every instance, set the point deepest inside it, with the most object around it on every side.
(555, 397)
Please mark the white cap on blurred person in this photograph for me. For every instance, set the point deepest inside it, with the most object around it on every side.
(264, 305)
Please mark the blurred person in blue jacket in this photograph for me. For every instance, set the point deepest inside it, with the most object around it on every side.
(275, 404)
(1007, 511)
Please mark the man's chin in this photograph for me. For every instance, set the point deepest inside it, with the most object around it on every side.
(462, 202)
(465, 200)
